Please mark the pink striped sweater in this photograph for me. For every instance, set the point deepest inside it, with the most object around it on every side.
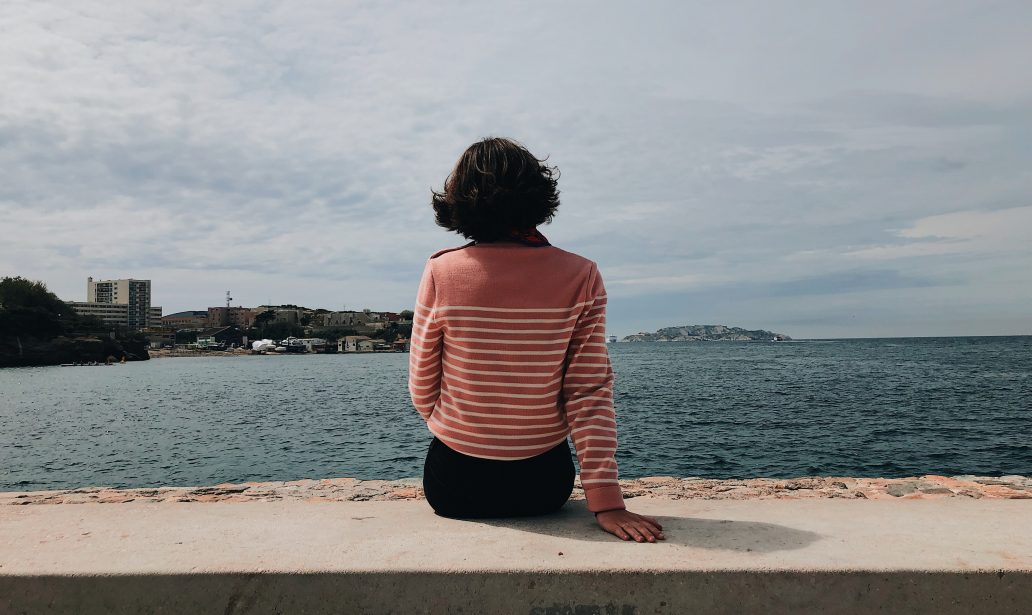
(508, 358)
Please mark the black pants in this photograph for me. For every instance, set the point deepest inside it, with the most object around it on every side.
(465, 487)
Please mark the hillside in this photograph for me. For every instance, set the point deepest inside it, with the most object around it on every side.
(37, 328)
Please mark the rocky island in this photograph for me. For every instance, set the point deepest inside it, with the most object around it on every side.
(707, 333)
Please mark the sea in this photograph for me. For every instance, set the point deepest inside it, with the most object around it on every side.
(853, 407)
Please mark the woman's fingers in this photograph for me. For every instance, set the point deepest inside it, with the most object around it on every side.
(630, 526)
(635, 532)
(618, 531)
(646, 536)
(655, 529)
(647, 531)
(647, 527)
(614, 529)
(645, 519)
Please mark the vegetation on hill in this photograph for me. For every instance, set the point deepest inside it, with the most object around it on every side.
(28, 309)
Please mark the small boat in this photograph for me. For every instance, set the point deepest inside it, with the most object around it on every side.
(293, 344)
(612, 339)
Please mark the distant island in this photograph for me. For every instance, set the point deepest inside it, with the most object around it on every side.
(706, 333)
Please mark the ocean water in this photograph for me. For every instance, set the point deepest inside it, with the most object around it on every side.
(873, 407)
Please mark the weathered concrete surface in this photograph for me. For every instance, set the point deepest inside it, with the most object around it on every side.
(354, 490)
(951, 555)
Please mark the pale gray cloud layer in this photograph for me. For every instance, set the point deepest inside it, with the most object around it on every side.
(822, 169)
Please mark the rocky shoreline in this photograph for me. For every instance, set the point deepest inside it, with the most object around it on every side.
(18, 351)
(351, 490)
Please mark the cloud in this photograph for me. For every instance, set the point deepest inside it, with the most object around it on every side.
(846, 282)
(1005, 233)
(286, 151)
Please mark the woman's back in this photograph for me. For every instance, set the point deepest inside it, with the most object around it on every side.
(508, 357)
(508, 353)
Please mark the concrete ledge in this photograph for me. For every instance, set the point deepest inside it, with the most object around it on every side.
(953, 555)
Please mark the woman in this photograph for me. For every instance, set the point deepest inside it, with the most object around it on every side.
(508, 354)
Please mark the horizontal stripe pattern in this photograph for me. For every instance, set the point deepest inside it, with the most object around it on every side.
(502, 382)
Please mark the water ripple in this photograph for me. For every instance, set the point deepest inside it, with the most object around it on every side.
(725, 410)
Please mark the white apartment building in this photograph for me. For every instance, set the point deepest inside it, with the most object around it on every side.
(125, 303)
(113, 313)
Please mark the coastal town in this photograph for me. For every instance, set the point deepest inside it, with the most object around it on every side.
(125, 304)
(118, 321)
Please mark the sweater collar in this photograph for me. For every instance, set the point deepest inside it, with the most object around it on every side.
(530, 237)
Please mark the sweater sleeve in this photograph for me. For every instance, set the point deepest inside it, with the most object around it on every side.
(425, 348)
(588, 404)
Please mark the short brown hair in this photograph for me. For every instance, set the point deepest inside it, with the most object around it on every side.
(497, 186)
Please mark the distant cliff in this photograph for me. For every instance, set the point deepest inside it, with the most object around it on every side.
(706, 333)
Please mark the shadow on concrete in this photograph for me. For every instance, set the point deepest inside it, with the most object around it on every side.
(576, 522)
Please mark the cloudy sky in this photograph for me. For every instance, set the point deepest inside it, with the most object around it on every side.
(820, 169)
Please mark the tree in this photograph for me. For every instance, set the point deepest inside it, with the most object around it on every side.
(28, 308)
(263, 319)
(17, 292)
(282, 330)
(395, 330)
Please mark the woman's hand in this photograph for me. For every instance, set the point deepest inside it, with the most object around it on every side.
(627, 525)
